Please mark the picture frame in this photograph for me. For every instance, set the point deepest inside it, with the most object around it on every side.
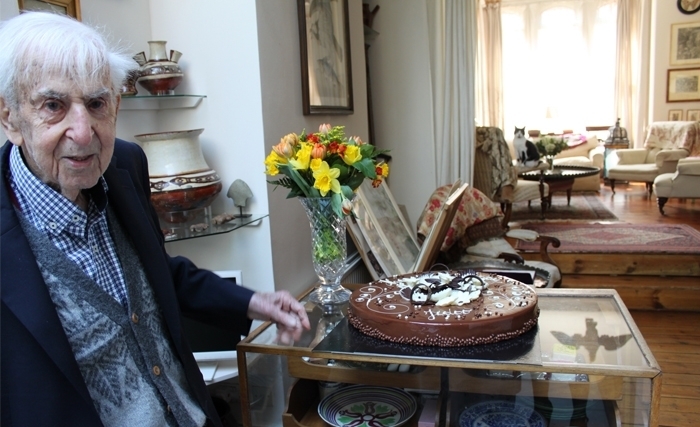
(66, 7)
(326, 76)
(385, 229)
(370, 260)
(683, 85)
(685, 43)
(693, 115)
(675, 115)
(431, 246)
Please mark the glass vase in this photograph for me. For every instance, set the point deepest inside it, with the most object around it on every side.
(550, 161)
(328, 250)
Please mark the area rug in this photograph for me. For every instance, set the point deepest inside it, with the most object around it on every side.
(616, 238)
(584, 206)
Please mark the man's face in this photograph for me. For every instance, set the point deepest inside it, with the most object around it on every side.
(66, 132)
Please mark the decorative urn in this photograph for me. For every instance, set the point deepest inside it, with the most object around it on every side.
(181, 181)
(160, 74)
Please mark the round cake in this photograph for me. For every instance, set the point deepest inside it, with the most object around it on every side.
(444, 309)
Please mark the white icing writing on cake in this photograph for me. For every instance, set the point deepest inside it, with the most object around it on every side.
(432, 315)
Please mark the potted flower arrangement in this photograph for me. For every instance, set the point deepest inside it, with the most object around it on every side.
(323, 169)
(549, 146)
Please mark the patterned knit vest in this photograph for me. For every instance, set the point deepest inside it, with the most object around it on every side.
(126, 360)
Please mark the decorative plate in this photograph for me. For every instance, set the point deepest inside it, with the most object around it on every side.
(500, 413)
(367, 406)
(688, 6)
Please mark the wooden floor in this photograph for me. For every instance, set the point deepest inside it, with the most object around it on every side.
(673, 337)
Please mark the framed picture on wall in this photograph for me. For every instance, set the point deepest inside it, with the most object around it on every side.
(675, 115)
(66, 7)
(324, 36)
(693, 116)
(683, 85)
(685, 43)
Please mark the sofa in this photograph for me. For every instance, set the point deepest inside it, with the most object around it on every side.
(589, 152)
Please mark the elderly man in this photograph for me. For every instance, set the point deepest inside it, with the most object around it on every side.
(91, 302)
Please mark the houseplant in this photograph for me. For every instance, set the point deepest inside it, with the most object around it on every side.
(323, 169)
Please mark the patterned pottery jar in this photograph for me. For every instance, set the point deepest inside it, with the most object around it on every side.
(181, 180)
(160, 75)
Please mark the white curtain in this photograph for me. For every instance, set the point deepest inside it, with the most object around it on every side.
(452, 34)
(631, 78)
(489, 81)
(558, 64)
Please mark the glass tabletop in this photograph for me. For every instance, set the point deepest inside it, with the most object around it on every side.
(576, 328)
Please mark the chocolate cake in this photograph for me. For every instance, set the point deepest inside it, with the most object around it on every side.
(444, 309)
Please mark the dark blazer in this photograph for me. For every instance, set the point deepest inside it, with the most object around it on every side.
(41, 384)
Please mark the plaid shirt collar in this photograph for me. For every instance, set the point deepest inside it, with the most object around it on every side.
(49, 209)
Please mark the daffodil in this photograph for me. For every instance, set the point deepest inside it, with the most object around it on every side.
(303, 157)
(272, 161)
(326, 179)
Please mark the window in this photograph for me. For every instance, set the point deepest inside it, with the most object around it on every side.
(558, 63)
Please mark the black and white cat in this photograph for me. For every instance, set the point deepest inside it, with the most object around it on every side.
(525, 150)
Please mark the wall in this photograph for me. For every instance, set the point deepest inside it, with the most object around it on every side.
(401, 98)
(664, 15)
(280, 75)
(244, 56)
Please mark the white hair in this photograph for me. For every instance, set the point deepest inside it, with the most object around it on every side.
(37, 45)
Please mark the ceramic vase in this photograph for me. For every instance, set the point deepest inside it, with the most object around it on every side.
(160, 74)
(328, 251)
(181, 180)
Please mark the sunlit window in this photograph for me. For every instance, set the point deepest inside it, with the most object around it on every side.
(558, 64)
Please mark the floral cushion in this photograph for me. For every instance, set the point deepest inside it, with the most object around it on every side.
(474, 209)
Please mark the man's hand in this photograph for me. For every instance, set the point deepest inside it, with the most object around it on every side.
(282, 309)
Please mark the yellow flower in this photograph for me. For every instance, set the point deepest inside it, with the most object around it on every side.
(385, 169)
(303, 157)
(271, 163)
(315, 164)
(326, 179)
(352, 154)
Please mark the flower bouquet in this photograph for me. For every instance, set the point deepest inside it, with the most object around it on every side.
(325, 162)
(549, 146)
(323, 170)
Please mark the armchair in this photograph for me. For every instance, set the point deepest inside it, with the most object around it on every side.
(665, 145)
(477, 238)
(497, 177)
(683, 184)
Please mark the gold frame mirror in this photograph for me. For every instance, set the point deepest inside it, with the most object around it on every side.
(66, 7)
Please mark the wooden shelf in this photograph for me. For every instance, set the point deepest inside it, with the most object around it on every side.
(419, 377)
(597, 387)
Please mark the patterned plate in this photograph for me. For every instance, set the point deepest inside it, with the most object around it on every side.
(500, 413)
(367, 406)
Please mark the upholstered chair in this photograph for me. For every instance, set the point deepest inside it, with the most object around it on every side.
(497, 177)
(682, 184)
(666, 143)
(477, 238)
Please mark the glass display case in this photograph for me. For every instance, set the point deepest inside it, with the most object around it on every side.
(585, 364)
